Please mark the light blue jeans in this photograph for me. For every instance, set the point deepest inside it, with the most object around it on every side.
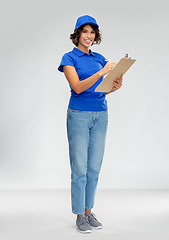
(86, 136)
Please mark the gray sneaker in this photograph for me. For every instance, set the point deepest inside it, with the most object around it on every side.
(94, 223)
(82, 225)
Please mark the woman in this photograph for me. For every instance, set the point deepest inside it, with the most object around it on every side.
(87, 118)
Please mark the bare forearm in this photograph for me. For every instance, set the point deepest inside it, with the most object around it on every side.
(85, 84)
(80, 86)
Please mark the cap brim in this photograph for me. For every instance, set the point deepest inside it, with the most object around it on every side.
(91, 23)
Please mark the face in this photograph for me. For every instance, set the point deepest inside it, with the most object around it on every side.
(87, 37)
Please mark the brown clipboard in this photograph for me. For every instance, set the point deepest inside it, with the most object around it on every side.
(121, 68)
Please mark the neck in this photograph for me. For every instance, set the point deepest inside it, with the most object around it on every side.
(84, 49)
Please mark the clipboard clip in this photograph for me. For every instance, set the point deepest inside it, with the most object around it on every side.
(127, 56)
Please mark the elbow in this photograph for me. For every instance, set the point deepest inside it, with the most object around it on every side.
(78, 90)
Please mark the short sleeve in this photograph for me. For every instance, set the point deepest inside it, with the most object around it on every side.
(66, 60)
(104, 61)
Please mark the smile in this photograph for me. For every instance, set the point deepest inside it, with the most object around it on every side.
(88, 41)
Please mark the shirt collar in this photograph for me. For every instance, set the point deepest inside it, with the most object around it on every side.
(80, 53)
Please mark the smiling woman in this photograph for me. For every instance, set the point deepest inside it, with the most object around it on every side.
(87, 118)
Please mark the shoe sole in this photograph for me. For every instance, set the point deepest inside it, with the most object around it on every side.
(100, 227)
(87, 231)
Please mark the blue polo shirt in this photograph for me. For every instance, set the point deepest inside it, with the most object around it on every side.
(86, 65)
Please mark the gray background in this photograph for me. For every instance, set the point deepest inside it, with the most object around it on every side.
(34, 95)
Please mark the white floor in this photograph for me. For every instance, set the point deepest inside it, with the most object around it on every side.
(46, 215)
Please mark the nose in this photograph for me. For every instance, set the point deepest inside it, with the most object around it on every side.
(89, 34)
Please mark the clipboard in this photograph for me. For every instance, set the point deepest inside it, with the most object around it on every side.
(121, 68)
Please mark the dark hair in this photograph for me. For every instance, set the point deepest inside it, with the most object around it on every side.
(75, 36)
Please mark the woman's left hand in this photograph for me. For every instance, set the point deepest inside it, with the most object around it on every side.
(116, 84)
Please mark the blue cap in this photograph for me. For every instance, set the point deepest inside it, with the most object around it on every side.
(86, 19)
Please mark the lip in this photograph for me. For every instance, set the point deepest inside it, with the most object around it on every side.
(88, 41)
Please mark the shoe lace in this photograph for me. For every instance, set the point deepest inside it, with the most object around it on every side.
(83, 220)
(91, 216)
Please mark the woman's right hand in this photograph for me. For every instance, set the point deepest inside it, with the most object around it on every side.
(108, 67)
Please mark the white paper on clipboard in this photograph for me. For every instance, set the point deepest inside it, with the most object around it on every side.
(121, 68)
